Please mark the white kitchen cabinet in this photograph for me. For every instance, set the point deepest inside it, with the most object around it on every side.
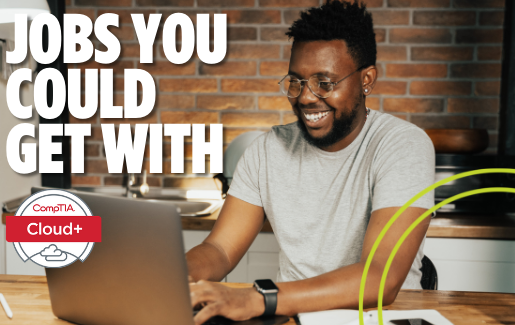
(192, 238)
(484, 265)
(263, 258)
(13, 262)
(15, 185)
(15, 265)
(240, 272)
(260, 262)
(262, 265)
(2, 249)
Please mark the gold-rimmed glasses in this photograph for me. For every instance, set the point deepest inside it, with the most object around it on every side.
(321, 86)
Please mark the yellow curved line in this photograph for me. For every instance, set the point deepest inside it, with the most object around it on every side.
(402, 209)
(416, 223)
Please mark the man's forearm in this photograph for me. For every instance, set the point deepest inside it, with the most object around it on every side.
(338, 289)
(207, 262)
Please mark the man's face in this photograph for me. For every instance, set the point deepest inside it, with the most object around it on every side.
(339, 111)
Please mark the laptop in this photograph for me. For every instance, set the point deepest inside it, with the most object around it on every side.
(136, 275)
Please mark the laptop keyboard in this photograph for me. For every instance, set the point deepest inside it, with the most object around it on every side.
(217, 320)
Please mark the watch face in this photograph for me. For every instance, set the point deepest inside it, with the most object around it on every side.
(266, 284)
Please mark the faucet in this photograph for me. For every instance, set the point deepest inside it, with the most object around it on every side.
(225, 184)
(131, 180)
(131, 192)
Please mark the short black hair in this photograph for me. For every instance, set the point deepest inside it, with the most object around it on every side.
(339, 20)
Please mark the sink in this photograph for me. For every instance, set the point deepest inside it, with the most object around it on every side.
(191, 203)
(191, 208)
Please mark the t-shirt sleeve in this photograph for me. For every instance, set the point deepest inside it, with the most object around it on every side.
(404, 166)
(245, 182)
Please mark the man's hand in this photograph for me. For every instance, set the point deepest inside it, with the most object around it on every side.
(229, 240)
(217, 299)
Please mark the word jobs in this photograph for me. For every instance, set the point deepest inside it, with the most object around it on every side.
(78, 28)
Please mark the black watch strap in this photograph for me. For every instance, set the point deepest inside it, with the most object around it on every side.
(270, 303)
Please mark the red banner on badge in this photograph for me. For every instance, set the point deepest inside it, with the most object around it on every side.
(53, 229)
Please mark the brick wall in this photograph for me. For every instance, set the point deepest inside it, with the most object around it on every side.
(439, 67)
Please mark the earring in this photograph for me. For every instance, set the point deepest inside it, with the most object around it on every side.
(366, 90)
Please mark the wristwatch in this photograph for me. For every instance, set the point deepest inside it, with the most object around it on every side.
(269, 291)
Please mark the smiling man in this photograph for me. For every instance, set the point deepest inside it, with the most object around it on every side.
(328, 184)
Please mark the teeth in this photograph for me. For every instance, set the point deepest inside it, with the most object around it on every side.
(316, 116)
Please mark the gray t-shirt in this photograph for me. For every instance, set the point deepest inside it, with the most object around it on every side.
(319, 203)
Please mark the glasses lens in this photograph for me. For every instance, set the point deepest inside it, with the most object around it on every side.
(291, 86)
(321, 86)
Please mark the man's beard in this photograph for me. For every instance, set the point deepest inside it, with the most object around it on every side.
(341, 128)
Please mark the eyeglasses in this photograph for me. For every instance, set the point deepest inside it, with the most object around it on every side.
(320, 86)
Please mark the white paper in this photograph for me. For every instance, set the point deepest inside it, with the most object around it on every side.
(329, 317)
(351, 317)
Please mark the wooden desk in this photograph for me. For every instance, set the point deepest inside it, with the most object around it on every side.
(30, 303)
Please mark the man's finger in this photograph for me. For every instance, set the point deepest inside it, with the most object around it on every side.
(199, 294)
(206, 313)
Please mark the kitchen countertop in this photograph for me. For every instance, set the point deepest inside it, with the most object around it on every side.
(444, 225)
(29, 300)
(207, 223)
(472, 226)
